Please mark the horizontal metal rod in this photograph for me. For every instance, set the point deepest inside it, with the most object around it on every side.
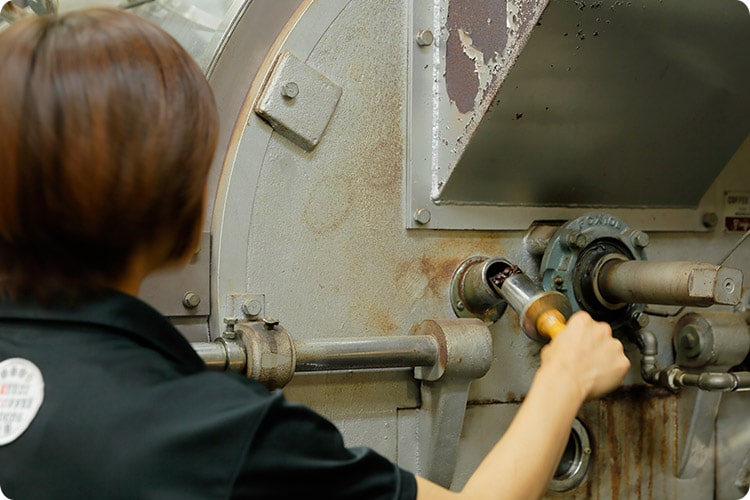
(669, 283)
(214, 354)
(365, 353)
(359, 353)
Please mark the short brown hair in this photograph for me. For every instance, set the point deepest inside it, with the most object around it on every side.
(107, 132)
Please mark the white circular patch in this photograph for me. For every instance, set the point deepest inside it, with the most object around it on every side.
(21, 395)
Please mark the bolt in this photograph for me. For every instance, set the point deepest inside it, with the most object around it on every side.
(689, 342)
(460, 305)
(577, 240)
(640, 239)
(290, 90)
(710, 219)
(425, 38)
(558, 281)
(270, 323)
(252, 308)
(422, 216)
(191, 300)
(229, 333)
(641, 319)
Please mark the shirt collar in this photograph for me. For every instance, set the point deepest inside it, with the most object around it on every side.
(120, 313)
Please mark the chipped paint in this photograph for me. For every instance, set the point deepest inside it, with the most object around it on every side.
(477, 35)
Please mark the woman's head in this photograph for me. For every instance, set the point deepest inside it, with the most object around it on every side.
(107, 131)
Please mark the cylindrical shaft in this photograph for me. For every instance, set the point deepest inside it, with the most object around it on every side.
(214, 354)
(365, 353)
(669, 283)
(518, 290)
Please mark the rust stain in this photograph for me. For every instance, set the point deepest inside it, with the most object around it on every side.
(438, 273)
(383, 321)
(485, 23)
(632, 432)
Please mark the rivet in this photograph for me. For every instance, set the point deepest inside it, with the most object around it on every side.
(425, 38)
(460, 305)
(290, 90)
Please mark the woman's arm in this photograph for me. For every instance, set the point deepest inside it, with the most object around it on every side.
(582, 362)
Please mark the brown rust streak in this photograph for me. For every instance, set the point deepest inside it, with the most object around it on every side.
(485, 23)
(633, 442)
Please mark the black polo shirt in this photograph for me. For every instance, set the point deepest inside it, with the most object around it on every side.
(130, 411)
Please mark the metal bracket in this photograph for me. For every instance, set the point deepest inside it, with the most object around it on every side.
(298, 101)
(465, 354)
(247, 306)
(697, 446)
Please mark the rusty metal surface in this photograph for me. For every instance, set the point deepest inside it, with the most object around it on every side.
(476, 36)
(633, 437)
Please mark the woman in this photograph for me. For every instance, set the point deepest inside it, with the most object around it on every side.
(108, 130)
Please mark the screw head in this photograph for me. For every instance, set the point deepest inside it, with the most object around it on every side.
(460, 305)
(425, 38)
(422, 216)
(191, 300)
(290, 90)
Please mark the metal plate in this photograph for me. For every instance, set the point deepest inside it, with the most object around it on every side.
(298, 101)
(608, 105)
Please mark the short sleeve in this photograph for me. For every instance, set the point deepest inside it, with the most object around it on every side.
(297, 453)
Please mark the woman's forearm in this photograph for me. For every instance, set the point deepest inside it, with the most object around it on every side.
(522, 463)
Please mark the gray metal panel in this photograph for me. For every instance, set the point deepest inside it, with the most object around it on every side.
(623, 104)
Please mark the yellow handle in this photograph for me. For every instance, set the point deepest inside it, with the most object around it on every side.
(550, 323)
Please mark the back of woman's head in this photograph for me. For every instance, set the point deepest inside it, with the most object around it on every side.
(107, 131)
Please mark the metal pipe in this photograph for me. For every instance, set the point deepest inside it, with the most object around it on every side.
(668, 283)
(674, 377)
(365, 353)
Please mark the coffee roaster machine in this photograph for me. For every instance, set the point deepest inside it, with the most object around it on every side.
(380, 161)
